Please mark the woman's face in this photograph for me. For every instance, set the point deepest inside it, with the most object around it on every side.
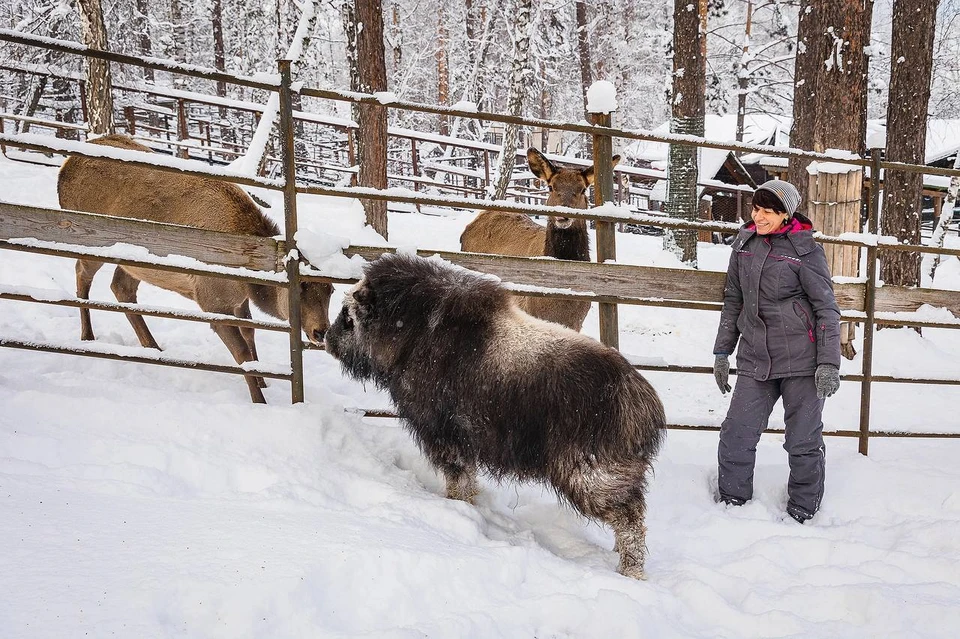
(767, 220)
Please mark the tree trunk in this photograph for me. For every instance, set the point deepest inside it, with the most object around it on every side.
(830, 95)
(519, 71)
(396, 39)
(34, 92)
(810, 55)
(478, 45)
(143, 28)
(99, 80)
(443, 70)
(219, 59)
(64, 94)
(743, 82)
(688, 108)
(841, 100)
(946, 214)
(911, 62)
(366, 44)
(583, 47)
(178, 41)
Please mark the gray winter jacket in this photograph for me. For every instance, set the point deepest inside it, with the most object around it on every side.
(778, 301)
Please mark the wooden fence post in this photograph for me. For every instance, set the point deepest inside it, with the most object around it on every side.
(351, 155)
(182, 132)
(415, 167)
(606, 231)
(869, 303)
(131, 120)
(290, 226)
(83, 102)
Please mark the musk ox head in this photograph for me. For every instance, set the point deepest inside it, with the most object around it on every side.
(405, 302)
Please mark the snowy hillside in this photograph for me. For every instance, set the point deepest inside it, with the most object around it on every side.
(143, 501)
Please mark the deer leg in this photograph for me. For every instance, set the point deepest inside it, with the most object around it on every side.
(221, 298)
(243, 311)
(241, 353)
(86, 269)
(124, 287)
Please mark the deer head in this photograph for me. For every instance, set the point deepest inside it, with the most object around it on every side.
(568, 187)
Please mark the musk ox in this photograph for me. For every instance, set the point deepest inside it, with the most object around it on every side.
(479, 383)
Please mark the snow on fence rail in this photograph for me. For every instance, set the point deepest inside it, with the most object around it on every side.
(56, 232)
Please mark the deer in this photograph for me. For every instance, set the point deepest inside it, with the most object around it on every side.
(563, 238)
(126, 191)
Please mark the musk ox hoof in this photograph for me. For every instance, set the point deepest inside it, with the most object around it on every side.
(463, 489)
(634, 572)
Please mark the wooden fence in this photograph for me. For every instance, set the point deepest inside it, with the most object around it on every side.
(74, 235)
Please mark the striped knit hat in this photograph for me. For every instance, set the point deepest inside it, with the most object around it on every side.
(785, 192)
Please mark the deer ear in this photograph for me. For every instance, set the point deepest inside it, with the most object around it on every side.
(588, 174)
(540, 165)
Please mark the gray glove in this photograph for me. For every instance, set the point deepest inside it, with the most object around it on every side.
(721, 373)
(827, 379)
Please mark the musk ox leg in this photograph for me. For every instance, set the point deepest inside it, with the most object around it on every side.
(462, 485)
(249, 335)
(616, 496)
(86, 269)
(124, 287)
(632, 546)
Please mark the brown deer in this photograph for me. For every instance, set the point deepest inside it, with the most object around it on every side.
(122, 190)
(563, 238)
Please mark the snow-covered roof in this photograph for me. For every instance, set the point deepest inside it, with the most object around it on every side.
(758, 129)
(943, 139)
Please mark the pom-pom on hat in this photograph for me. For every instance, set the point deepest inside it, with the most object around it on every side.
(785, 192)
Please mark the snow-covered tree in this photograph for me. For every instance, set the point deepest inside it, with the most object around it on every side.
(519, 72)
(99, 80)
(688, 109)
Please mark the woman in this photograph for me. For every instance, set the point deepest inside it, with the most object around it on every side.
(778, 303)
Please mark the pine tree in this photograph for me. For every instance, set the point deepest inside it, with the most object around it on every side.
(688, 108)
(911, 62)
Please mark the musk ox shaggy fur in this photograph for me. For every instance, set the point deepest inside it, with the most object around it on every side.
(481, 384)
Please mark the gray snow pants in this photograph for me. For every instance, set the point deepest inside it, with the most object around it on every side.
(746, 419)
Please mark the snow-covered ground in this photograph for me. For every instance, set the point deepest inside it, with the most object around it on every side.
(143, 501)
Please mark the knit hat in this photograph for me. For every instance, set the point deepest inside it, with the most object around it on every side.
(785, 192)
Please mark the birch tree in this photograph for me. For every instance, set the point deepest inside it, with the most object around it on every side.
(250, 161)
(911, 61)
(583, 48)
(99, 81)
(519, 71)
(946, 214)
(142, 26)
